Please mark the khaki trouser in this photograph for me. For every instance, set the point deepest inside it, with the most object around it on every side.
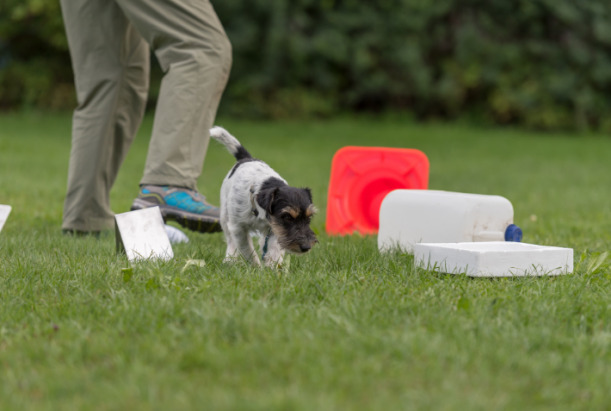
(109, 46)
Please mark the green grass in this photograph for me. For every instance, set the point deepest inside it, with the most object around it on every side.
(346, 328)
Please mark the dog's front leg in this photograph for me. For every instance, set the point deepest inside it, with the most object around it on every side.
(244, 243)
(239, 241)
(273, 254)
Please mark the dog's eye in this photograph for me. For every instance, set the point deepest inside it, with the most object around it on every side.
(287, 217)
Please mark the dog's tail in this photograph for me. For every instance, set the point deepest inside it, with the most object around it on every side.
(230, 142)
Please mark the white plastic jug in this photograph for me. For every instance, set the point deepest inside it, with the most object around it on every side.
(408, 217)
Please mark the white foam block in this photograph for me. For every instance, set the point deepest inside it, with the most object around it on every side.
(5, 210)
(141, 235)
(494, 259)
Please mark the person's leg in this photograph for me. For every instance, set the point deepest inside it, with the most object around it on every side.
(195, 53)
(110, 61)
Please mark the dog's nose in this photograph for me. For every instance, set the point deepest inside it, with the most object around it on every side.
(305, 248)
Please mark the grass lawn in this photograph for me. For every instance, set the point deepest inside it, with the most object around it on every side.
(346, 328)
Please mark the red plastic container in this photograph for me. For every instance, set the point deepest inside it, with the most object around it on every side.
(360, 179)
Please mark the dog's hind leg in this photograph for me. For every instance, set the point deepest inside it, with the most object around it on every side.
(232, 253)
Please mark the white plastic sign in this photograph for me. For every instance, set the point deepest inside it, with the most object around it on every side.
(5, 210)
(141, 235)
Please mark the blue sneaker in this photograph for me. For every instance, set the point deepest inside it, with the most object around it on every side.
(187, 207)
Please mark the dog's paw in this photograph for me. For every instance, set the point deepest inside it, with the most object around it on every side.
(281, 264)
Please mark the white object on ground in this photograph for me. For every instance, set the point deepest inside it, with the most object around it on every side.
(195, 263)
(141, 234)
(5, 210)
(175, 235)
(408, 217)
(494, 259)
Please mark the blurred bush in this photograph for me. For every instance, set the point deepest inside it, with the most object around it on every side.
(34, 60)
(541, 63)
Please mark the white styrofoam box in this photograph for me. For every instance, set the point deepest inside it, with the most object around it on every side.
(408, 217)
(494, 259)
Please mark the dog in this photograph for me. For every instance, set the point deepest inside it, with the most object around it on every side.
(256, 200)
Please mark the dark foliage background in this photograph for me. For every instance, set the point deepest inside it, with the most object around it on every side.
(539, 63)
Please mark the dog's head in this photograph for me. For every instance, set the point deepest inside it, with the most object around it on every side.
(290, 211)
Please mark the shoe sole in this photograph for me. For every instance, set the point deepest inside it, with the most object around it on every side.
(190, 221)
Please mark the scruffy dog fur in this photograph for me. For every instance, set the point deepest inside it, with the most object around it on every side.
(256, 200)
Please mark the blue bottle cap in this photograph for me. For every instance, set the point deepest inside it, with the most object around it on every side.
(513, 233)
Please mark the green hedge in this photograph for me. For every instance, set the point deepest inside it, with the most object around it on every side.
(539, 63)
(34, 61)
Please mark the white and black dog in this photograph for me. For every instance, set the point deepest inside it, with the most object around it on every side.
(256, 200)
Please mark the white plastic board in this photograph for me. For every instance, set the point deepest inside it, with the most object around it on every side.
(494, 259)
(141, 235)
(5, 210)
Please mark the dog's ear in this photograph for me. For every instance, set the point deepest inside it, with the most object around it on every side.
(265, 198)
(307, 190)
